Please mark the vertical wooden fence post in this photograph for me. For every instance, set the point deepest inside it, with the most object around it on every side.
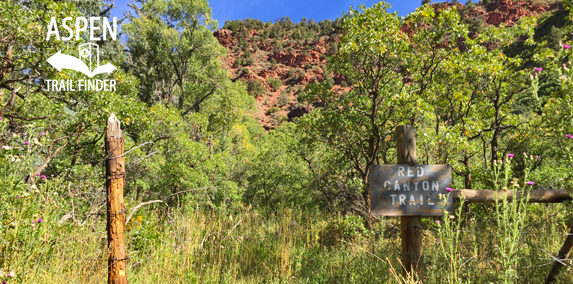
(410, 226)
(115, 179)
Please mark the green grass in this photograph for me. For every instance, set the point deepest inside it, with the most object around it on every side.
(209, 246)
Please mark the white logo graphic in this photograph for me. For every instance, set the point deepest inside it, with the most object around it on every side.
(88, 51)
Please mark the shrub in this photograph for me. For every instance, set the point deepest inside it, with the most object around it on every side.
(279, 47)
(243, 44)
(248, 61)
(332, 49)
(279, 117)
(273, 63)
(265, 34)
(238, 62)
(298, 88)
(329, 80)
(275, 83)
(255, 88)
(284, 99)
(300, 73)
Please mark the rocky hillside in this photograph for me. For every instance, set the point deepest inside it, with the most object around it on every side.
(277, 60)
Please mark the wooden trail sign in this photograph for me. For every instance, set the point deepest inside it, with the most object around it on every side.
(394, 192)
(410, 190)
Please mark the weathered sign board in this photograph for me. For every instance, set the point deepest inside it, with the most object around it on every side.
(403, 190)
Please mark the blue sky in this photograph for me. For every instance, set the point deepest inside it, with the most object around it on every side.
(269, 10)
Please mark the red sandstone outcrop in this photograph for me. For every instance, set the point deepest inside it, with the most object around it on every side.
(225, 37)
(299, 63)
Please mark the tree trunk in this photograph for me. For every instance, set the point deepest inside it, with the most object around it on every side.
(468, 175)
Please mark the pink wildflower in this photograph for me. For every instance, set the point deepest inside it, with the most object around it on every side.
(510, 155)
(530, 183)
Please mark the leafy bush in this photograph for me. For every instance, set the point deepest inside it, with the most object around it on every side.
(255, 88)
(280, 117)
(247, 62)
(273, 63)
(329, 81)
(332, 49)
(279, 47)
(275, 83)
(273, 109)
(284, 99)
(238, 62)
(243, 44)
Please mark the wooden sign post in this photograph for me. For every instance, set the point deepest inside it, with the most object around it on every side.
(411, 191)
(115, 179)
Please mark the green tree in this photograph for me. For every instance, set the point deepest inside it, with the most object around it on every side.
(174, 54)
(195, 108)
(359, 124)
